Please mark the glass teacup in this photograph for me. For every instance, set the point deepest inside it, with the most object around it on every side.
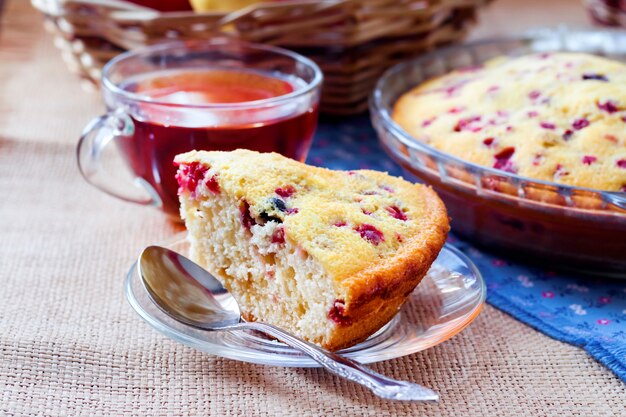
(205, 95)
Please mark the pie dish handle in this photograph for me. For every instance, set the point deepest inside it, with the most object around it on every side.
(101, 132)
(379, 384)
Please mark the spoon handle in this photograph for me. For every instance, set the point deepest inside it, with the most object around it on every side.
(380, 385)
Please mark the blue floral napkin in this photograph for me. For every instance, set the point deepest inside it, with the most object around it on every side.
(586, 312)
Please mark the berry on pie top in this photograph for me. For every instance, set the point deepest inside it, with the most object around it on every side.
(557, 117)
(328, 255)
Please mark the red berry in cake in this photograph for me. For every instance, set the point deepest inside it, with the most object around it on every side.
(387, 188)
(567, 135)
(488, 142)
(537, 159)
(286, 191)
(547, 125)
(589, 159)
(468, 123)
(396, 213)
(428, 122)
(580, 123)
(621, 163)
(340, 224)
(337, 313)
(370, 233)
(608, 106)
(532, 113)
(245, 216)
(503, 160)
(279, 235)
(292, 210)
(213, 185)
(190, 175)
(534, 95)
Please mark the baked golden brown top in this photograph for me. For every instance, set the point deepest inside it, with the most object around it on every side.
(557, 117)
(349, 221)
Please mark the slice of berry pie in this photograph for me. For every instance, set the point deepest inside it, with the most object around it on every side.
(327, 255)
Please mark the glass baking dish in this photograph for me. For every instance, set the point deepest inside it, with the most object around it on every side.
(569, 227)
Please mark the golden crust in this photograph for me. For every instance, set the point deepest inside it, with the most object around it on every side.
(376, 294)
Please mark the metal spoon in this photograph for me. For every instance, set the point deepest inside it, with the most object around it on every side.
(188, 293)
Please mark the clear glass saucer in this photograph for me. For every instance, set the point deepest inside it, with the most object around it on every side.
(447, 300)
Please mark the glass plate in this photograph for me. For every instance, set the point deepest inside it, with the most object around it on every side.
(564, 226)
(447, 300)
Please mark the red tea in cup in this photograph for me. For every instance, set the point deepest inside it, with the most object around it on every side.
(213, 97)
(162, 133)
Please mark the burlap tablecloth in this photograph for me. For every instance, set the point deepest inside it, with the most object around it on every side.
(71, 345)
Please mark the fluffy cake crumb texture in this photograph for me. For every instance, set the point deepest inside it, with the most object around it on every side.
(328, 255)
(557, 117)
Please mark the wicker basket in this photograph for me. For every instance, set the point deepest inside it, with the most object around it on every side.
(353, 41)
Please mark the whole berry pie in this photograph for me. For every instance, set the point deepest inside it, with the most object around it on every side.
(558, 117)
(328, 255)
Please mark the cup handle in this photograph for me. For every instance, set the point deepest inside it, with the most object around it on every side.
(97, 135)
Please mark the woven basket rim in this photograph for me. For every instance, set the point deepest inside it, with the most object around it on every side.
(92, 32)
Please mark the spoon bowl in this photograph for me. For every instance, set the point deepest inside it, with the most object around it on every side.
(186, 291)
